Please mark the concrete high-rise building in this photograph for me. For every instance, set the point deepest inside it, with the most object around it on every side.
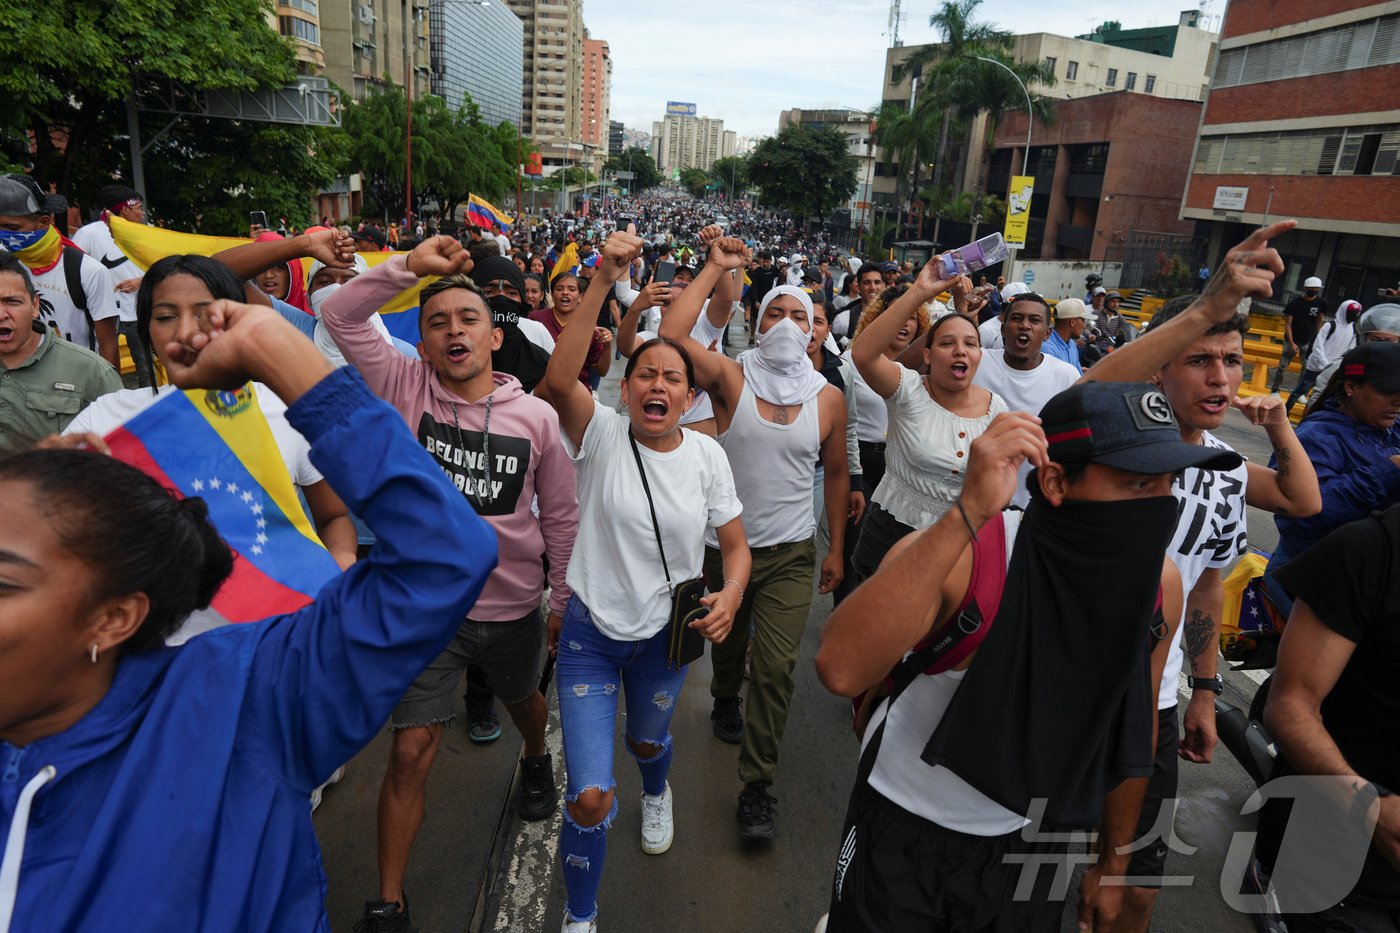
(363, 40)
(1303, 120)
(551, 93)
(477, 49)
(597, 95)
(616, 141)
(682, 141)
(299, 20)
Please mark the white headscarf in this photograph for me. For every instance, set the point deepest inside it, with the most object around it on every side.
(778, 369)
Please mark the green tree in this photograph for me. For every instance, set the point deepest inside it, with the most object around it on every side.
(731, 173)
(69, 67)
(695, 181)
(640, 163)
(807, 171)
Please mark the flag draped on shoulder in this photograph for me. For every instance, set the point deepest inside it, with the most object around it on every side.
(217, 445)
(568, 261)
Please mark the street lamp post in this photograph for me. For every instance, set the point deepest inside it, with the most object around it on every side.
(1026, 157)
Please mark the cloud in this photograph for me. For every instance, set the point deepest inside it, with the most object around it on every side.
(745, 61)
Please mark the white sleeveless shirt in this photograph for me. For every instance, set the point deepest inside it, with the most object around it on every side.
(774, 468)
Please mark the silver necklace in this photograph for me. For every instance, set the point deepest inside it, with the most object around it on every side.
(485, 445)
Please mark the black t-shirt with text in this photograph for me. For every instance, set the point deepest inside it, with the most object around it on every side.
(1306, 314)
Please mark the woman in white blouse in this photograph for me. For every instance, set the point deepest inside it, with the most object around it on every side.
(933, 419)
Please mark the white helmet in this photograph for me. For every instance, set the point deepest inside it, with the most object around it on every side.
(1312, 281)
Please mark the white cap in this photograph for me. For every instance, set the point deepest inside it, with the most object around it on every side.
(1012, 289)
(1100, 291)
(1068, 308)
(1312, 281)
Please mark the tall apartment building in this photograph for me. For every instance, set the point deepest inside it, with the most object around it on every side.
(1171, 62)
(551, 94)
(300, 21)
(363, 40)
(1303, 120)
(680, 142)
(597, 95)
(616, 140)
(477, 49)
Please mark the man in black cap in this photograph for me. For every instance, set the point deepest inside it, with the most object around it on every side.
(76, 298)
(1026, 706)
(96, 240)
(369, 239)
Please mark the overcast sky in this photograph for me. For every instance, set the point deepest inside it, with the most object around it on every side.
(743, 61)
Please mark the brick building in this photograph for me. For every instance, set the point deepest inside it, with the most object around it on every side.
(1110, 165)
(1303, 120)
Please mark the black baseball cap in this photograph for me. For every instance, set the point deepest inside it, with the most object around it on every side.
(1376, 363)
(370, 235)
(1125, 425)
(21, 196)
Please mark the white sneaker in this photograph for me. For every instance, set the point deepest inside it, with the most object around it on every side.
(658, 828)
(578, 926)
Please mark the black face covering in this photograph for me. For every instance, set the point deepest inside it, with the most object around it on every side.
(506, 313)
(517, 356)
(1058, 705)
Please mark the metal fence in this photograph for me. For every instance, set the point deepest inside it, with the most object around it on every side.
(1165, 263)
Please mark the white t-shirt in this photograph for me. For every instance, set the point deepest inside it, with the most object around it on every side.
(1210, 534)
(926, 460)
(95, 239)
(872, 421)
(536, 333)
(616, 567)
(503, 244)
(989, 332)
(56, 307)
(1024, 391)
(112, 411)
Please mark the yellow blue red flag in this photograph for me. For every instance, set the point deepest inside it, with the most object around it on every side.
(482, 210)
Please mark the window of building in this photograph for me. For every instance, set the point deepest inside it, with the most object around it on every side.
(1150, 83)
(1112, 80)
(299, 29)
(1343, 48)
(306, 6)
(1131, 81)
(1071, 70)
(1050, 63)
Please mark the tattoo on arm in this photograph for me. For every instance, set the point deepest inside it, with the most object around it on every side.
(1200, 631)
(1284, 455)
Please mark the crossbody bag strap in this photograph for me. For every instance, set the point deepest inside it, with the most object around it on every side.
(655, 525)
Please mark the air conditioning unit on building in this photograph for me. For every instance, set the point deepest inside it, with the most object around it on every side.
(367, 14)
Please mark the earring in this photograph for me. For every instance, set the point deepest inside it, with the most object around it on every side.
(92, 653)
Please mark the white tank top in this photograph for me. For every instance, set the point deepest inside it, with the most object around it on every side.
(774, 468)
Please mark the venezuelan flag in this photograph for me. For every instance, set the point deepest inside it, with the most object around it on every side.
(217, 445)
(567, 262)
(144, 245)
(481, 210)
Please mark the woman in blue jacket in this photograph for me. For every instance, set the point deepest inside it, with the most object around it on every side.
(1351, 435)
(164, 789)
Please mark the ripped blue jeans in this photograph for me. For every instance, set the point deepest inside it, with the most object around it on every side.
(592, 670)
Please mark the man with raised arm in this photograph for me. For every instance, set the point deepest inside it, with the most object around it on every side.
(776, 417)
(1194, 350)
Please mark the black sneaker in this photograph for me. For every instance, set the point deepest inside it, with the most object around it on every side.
(537, 796)
(482, 724)
(727, 718)
(385, 917)
(756, 812)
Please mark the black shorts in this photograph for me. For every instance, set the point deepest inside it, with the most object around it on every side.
(896, 871)
(1149, 862)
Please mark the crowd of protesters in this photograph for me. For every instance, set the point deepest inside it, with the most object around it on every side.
(957, 464)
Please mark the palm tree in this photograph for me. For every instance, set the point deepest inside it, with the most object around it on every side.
(908, 137)
(963, 86)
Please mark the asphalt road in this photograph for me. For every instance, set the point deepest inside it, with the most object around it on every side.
(477, 868)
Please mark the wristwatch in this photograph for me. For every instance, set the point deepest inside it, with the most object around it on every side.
(1214, 684)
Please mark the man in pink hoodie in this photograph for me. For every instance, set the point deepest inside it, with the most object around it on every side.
(502, 449)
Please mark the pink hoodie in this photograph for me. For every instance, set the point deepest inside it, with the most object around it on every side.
(525, 459)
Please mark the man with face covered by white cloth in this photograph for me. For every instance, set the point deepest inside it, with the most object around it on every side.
(776, 417)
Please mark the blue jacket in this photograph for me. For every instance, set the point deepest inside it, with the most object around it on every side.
(181, 801)
(1354, 471)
